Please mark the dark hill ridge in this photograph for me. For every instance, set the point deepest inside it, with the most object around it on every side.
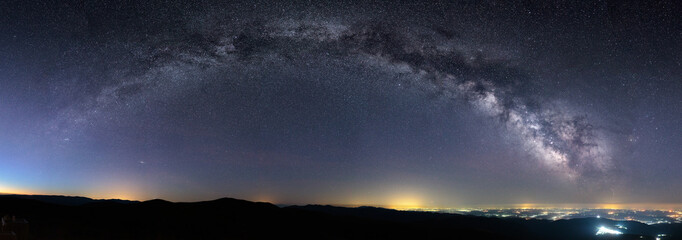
(65, 200)
(581, 228)
(229, 218)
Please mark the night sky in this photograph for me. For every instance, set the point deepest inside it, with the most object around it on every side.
(394, 104)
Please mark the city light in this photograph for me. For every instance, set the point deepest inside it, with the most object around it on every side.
(604, 230)
(649, 217)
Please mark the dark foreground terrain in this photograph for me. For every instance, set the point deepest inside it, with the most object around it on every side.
(56, 217)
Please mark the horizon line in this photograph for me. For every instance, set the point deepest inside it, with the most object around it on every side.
(632, 206)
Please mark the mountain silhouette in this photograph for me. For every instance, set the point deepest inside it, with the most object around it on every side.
(62, 217)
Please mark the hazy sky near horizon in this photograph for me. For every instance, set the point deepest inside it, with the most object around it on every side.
(384, 103)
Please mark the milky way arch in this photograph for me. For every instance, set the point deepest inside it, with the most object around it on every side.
(564, 142)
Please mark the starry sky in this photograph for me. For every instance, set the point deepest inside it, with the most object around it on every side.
(395, 103)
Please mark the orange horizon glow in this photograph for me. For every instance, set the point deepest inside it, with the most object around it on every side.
(397, 202)
(11, 190)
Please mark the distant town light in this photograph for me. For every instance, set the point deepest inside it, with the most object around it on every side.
(604, 230)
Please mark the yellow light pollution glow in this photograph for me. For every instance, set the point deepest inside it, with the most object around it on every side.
(118, 189)
(405, 203)
(405, 199)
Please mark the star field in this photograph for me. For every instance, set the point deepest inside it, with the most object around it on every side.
(428, 104)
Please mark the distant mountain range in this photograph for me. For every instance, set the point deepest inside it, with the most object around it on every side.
(64, 217)
(65, 200)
